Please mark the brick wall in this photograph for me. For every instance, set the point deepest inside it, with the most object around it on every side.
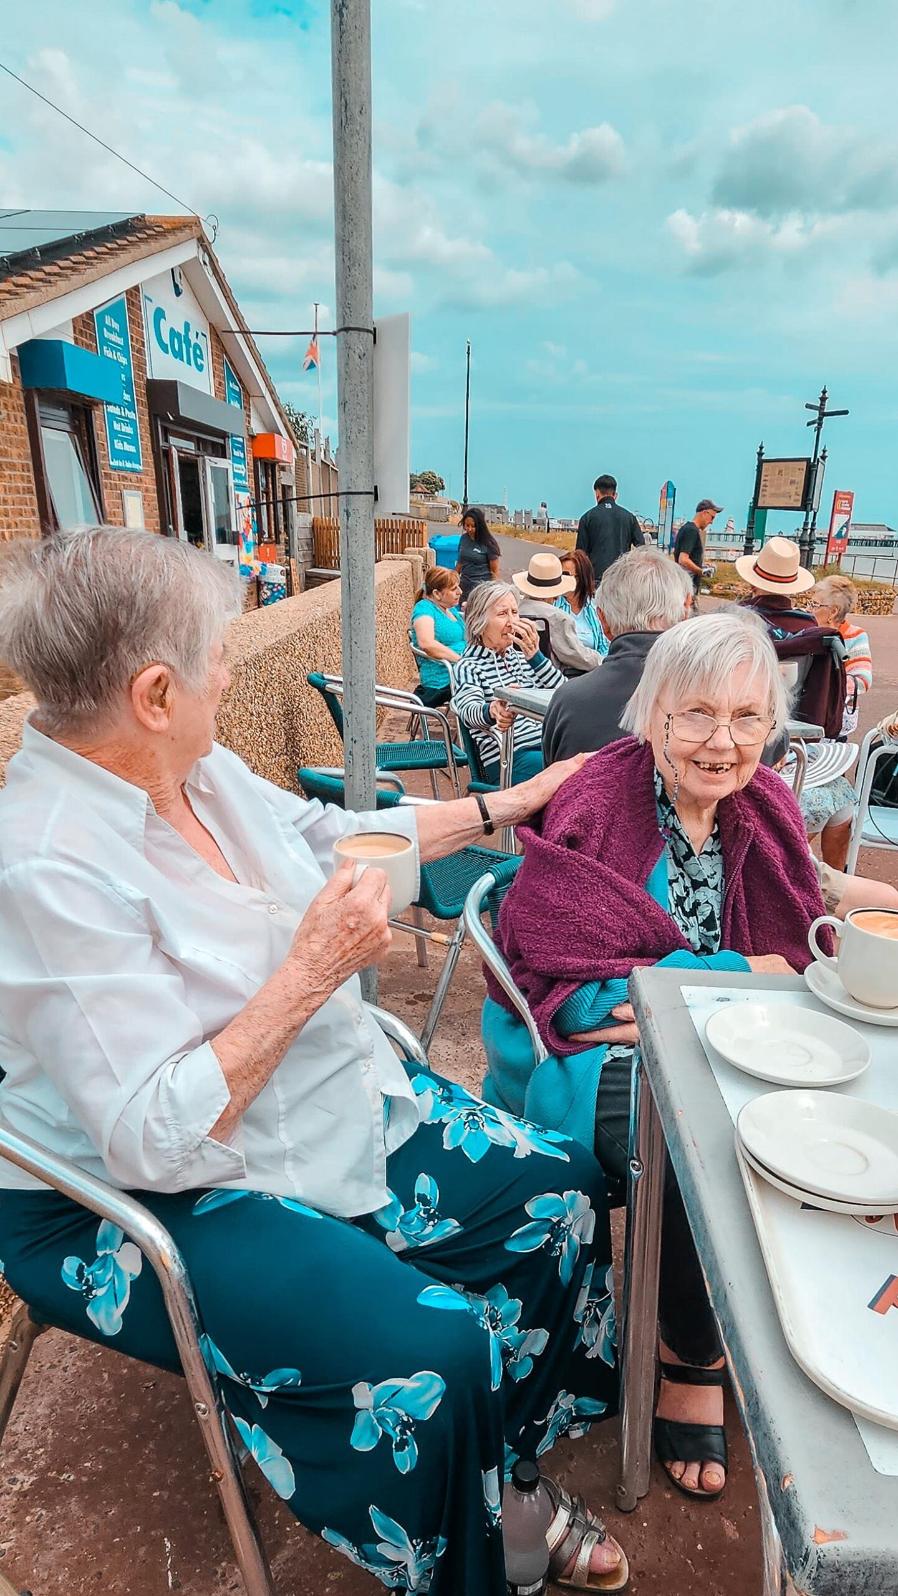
(18, 501)
(112, 482)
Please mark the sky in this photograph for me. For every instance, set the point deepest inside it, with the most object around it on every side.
(663, 224)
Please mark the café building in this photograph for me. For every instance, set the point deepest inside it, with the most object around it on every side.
(131, 391)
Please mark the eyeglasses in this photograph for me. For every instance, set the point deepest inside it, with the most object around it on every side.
(694, 726)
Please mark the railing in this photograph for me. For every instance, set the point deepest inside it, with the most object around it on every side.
(392, 536)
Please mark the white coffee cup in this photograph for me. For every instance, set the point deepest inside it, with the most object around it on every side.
(393, 854)
(867, 962)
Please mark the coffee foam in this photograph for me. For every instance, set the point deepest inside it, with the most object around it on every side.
(372, 845)
(876, 922)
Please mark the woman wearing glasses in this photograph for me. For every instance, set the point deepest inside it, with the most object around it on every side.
(673, 846)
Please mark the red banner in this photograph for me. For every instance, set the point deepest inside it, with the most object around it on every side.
(839, 527)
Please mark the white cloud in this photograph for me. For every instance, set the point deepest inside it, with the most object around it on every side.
(591, 10)
(790, 161)
(504, 134)
(421, 363)
(721, 239)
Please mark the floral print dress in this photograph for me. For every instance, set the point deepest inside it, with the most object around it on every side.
(383, 1372)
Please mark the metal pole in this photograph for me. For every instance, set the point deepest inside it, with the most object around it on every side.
(464, 496)
(805, 541)
(749, 545)
(351, 70)
(814, 515)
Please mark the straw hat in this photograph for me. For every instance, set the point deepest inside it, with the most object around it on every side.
(544, 578)
(776, 568)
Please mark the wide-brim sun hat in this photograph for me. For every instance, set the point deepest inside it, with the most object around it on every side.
(544, 578)
(776, 568)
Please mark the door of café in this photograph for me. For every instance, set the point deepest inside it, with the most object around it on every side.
(202, 495)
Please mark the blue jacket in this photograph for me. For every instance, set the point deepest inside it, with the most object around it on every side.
(560, 1093)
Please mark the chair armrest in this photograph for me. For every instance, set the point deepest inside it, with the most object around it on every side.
(491, 956)
(90, 1192)
(398, 1032)
(381, 777)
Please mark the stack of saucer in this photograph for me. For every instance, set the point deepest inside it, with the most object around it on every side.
(825, 1150)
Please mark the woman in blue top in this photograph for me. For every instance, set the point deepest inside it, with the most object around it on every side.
(438, 630)
(582, 602)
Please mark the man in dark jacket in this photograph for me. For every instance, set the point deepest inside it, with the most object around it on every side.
(608, 531)
(640, 596)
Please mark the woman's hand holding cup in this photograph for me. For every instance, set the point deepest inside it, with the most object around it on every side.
(344, 929)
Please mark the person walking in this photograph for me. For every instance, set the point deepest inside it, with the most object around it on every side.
(607, 530)
(479, 556)
(689, 548)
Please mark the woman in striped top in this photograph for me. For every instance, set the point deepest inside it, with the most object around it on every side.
(502, 652)
(832, 601)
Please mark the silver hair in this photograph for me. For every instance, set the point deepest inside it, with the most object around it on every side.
(480, 606)
(837, 590)
(643, 591)
(81, 613)
(690, 662)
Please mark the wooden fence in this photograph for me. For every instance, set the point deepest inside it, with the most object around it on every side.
(390, 537)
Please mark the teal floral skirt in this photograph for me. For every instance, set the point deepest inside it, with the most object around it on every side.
(384, 1372)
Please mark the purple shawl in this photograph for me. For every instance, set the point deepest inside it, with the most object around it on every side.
(578, 909)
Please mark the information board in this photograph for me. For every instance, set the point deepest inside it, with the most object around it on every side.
(234, 396)
(783, 484)
(839, 526)
(122, 422)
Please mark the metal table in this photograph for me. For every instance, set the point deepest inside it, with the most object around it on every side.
(829, 1521)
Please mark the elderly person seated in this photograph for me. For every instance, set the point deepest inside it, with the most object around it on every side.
(639, 597)
(675, 847)
(182, 1017)
(438, 632)
(542, 588)
(503, 651)
(832, 601)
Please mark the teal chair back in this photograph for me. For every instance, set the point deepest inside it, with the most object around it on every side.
(334, 707)
(475, 762)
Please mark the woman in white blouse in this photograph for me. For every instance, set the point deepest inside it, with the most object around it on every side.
(180, 1014)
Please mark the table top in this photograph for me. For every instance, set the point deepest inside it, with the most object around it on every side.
(533, 701)
(835, 1515)
(805, 730)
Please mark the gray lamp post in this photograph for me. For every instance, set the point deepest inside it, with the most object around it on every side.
(809, 524)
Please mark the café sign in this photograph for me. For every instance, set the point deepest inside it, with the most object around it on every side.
(177, 332)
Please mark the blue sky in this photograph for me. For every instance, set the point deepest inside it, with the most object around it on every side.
(662, 223)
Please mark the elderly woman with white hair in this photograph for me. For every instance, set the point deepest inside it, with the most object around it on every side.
(182, 1016)
(503, 651)
(673, 846)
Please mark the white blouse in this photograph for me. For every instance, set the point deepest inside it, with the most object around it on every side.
(123, 954)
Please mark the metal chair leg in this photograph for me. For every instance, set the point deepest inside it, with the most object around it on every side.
(23, 1333)
(420, 942)
(640, 1318)
(442, 986)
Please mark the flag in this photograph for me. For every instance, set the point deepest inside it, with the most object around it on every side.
(312, 360)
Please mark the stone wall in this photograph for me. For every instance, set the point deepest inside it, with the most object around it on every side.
(270, 716)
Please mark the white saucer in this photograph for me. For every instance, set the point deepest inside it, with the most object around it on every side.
(788, 1045)
(825, 985)
(830, 1204)
(827, 1144)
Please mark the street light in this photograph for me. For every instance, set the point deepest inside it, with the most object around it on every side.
(809, 524)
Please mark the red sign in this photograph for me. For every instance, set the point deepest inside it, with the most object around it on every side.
(273, 446)
(839, 527)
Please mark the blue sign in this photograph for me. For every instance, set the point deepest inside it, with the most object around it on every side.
(122, 423)
(234, 396)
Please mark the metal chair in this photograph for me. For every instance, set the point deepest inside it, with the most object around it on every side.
(485, 895)
(430, 754)
(444, 884)
(874, 825)
(161, 1252)
(478, 781)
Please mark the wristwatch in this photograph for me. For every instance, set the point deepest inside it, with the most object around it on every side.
(488, 826)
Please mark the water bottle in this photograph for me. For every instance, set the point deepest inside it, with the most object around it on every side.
(526, 1515)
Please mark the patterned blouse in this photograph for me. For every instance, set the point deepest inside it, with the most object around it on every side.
(695, 887)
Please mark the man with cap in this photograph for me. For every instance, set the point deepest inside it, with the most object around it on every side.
(607, 530)
(540, 586)
(689, 549)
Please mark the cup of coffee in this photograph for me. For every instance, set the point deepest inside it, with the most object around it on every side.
(867, 961)
(392, 854)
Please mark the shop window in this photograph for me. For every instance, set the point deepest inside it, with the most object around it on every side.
(69, 471)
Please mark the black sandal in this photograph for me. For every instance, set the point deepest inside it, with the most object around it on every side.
(679, 1442)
